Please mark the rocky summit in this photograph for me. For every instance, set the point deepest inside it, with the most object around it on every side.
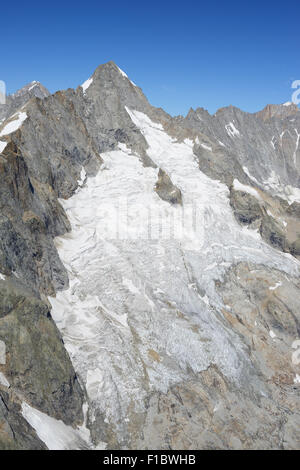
(149, 272)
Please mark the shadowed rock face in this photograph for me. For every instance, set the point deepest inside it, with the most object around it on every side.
(227, 380)
(30, 216)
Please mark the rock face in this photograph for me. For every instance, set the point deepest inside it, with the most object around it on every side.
(247, 208)
(37, 364)
(149, 272)
(278, 224)
(166, 189)
(15, 432)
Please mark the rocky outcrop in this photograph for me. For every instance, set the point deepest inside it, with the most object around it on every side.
(278, 110)
(267, 150)
(15, 432)
(219, 163)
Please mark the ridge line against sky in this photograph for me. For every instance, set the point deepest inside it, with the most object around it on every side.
(182, 55)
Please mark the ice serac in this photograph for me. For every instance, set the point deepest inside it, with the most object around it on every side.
(166, 336)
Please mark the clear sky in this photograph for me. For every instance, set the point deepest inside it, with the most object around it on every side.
(182, 54)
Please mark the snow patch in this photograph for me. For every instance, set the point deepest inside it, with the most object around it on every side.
(273, 143)
(34, 84)
(124, 148)
(2, 352)
(82, 177)
(231, 130)
(87, 84)
(3, 380)
(296, 148)
(297, 379)
(278, 284)
(252, 178)
(206, 147)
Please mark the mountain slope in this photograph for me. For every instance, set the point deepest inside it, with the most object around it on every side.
(21, 97)
(174, 280)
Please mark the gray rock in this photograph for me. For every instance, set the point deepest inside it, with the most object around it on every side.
(37, 365)
(246, 207)
(21, 97)
(15, 432)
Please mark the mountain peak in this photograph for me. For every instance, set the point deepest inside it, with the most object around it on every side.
(277, 110)
(32, 89)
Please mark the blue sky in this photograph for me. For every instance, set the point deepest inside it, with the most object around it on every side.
(182, 54)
